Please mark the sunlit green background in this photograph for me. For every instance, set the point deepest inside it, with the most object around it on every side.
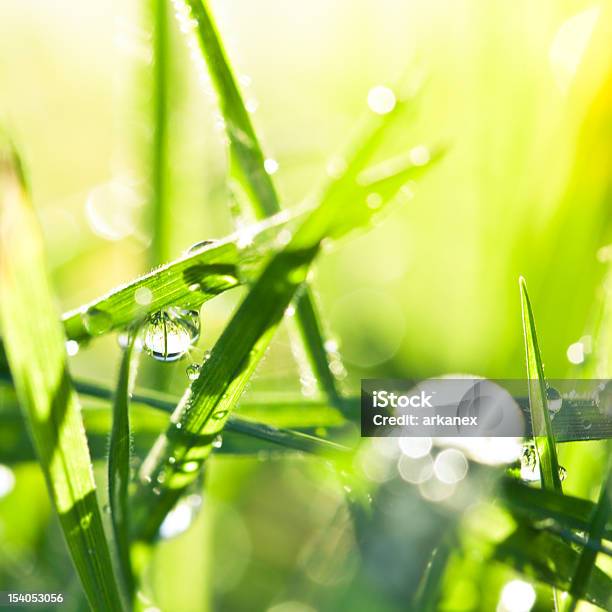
(519, 94)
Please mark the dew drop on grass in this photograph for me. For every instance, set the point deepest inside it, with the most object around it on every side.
(530, 468)
(555, 401)
(96, 321)
(188, 467)
(193, 371)
(270, 166)
(381, 100)
(218, 441)
(170, 333)
(72, 347)
(181, 517)
(220, 414)
(530, 465)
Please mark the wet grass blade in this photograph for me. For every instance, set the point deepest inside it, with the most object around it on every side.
(540, 416)
(596, 531)
(37, 357)
(252, 187)
(205, 407)
(119, 456)
(188, 281)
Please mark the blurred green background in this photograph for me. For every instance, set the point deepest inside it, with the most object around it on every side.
(520, 95)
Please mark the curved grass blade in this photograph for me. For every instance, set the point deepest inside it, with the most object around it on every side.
(119, 455)
(596, 531)
(205, 407)
(37, 357)
(540, 416)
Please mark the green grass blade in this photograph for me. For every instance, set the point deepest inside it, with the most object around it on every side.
(596, 531)
(546, 558)
(37, 357)
(537, 505)
(188, 281)
(160, 205)
(204, 409)
(119, 455)
(252, 187)
(540, 416)
(428, 593)
(241, 437)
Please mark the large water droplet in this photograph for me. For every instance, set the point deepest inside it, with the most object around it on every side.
(555, 401)
(170, 333)
(562, 473)
(218, 441)
(181, 517)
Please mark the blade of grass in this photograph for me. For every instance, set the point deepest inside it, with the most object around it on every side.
(251, 185)
(539, 505)
(203, 411)
(544, 557)
(119, 455)
(240, 437)
(188, 281)
(597, 529)
(160, 206)
(37, 357)
(428, 593)
(538, 402)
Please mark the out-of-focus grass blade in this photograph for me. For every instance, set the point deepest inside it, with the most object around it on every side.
(160, 204)
(596, 531)
(37, 357)
(565, 511)
(203, 411)
(188, 281)
(240, 437)
(544, 557)
(540, 416)
(119, 455)
(430, 587)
